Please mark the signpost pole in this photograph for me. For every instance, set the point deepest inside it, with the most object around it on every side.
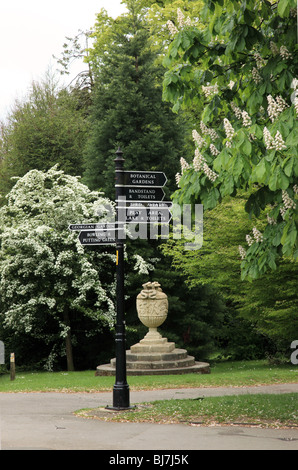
(121, 388)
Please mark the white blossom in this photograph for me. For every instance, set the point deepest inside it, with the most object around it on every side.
(208, 131)
(249, 240)
(210, 90)
(214, 150)
(276, 143)
(279, 142)
(200, 164)
(172, 28)
(237, 110)
(198, 138)
(180, 17)
(209, 173)
(288, 202)
(177, 178)
(228, 128)
(246, 119)
(184, 164)
(213, 134)
(43, 267)
(257, 235)
(268, 139)
(260, 61)
(274, 48)
(285, 54)
(204, 128)
(242, 252)
(275, 106)
(229, 131)
(271, 220)
(294, 83)
(256, 76)
(198, 161)
(142, 266)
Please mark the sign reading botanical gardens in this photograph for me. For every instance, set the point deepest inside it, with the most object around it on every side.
(142, 178)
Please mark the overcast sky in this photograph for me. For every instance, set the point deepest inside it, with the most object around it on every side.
(31, 31)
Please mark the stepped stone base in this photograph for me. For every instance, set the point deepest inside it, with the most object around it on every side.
(154, 355)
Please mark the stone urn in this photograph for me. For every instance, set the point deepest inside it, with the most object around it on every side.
(152, 306)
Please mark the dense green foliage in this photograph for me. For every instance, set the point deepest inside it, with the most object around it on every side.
(127, 106)
(239, 70)
(47, 281)
(47, 128)
(260, 315)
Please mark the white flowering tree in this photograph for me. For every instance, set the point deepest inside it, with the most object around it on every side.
(236, 66)
(47, 278)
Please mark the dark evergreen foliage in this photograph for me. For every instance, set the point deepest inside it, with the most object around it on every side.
(128, 112)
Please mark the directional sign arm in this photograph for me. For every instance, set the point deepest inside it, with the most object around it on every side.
(141, 178)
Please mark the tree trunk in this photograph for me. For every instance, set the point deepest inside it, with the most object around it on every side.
(68, 345)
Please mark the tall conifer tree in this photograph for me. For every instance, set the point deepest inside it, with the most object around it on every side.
(128, 110)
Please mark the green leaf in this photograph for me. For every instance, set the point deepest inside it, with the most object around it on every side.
(289, 238)
(283, 7)
(238, 166)
(246, 147)
(254, 102)
(212, 199)
(271, 260)
(292, 138)
(227, 186)
(259, 173)
(289, 166)
(283, 180)
(273, 180)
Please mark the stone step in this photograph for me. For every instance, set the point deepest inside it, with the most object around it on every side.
(157, 356)
(147, 347)
(197, 368)
(188, 361)
(161, 365)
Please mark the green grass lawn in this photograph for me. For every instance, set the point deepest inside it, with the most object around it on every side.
(246, 373)
(260, 410)
(254, 410)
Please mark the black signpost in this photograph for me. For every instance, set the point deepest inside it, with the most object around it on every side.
(121, 398)
(139, 199)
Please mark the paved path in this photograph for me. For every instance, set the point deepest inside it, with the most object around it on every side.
(45, 421)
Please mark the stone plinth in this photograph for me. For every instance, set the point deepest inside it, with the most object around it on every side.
(156, 356)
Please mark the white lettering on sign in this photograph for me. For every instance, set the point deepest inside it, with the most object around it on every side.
(143, 178)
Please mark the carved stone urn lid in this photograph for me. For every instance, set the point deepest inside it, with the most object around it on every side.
(151, 290)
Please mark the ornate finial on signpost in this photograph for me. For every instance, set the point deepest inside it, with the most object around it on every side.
(119, 154)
